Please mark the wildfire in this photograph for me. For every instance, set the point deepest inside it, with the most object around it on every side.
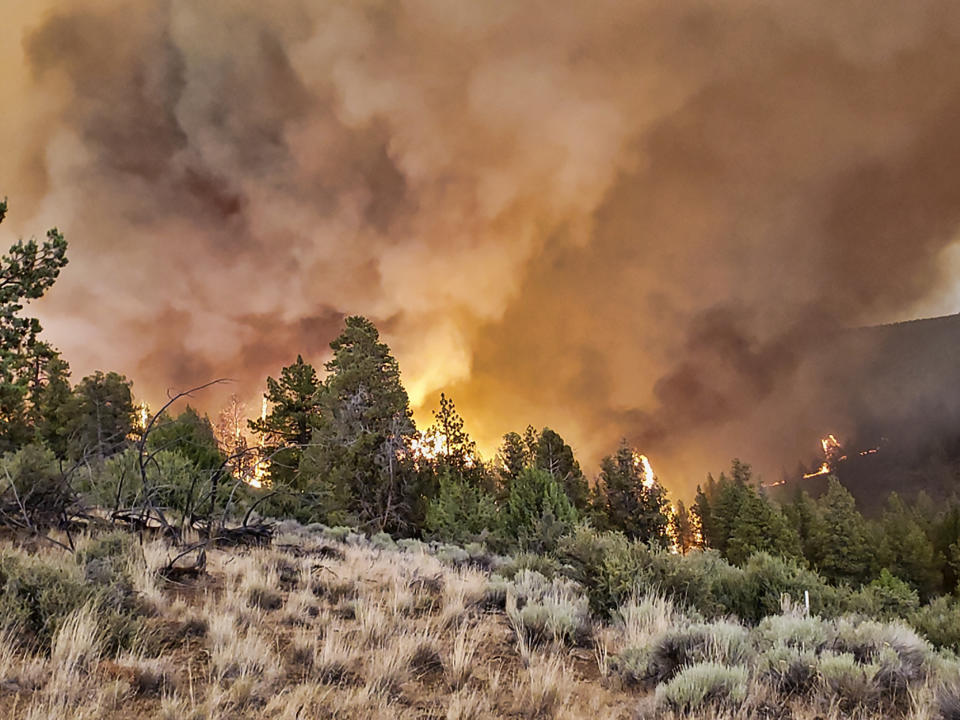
(824, 470)
(833, 454)
(428, 446)
(258, 478)
(830, 445)
(642, 463)
(140, 421)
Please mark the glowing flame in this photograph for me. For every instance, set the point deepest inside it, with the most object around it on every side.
(258, 478)
(829, 444)
(646, 469)
(428, 446)
(824, 470)
(140, 421)
(672, 532)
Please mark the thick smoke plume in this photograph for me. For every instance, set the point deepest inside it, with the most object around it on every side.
(619, 219)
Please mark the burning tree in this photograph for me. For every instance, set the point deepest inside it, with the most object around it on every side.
(230, 431)
(628, 498)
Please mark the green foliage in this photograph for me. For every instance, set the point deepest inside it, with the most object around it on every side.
(52, 406)
(681, 646)
(720, 509)
(456, 452)
(37, 594)
(759, 526)
(886, 597)
(174, 481)
(906, 550)
(359, 451)
(99, 416)
(460, 512)
(622, 501)
(286, 429)
(33, 476)
(840, 541)
(27, 271)
(556, 457)
(542, 610)
(939, 622)
(535, 502)
(704, 685)
(191, 435)
(612, 568)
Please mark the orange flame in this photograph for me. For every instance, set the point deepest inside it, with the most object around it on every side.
(643, 464)
(824, 470)
(258, 478)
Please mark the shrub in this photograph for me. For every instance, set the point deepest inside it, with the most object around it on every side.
(939, 621)
(542, 610)
(948, 701)
(723, 643)
(338, 533)
(790, 670)
(886, 597)
(793, 631)
(36, 597)
(383, 541)
(847, 682)
(702, 685)
(544, 564)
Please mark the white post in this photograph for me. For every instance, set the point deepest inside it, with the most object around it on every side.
(806, 600)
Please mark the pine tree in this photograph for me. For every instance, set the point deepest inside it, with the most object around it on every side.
(99, 416)
(760, 527)
(52, 406)
(803, 516)
(906, 551)
(840, 541)
(512, 458)
(718, 506)
(556, 457)
(623, 502)
(534, 497)
(294, 404)
(191, 435)
(456, 452)
(26, 273)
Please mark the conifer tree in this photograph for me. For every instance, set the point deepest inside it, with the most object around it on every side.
(760, 526)
(556, 457)
(906, 551)
(840, 541)
(26, 273)
(99, 416)
(294, 407)
(684, 529)
(622, 501)
(359, 452)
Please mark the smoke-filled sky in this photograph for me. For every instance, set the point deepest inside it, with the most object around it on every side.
(619, 219)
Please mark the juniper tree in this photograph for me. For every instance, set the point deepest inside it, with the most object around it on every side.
(359, 451)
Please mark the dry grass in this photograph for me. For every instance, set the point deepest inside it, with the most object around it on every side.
(361, 632)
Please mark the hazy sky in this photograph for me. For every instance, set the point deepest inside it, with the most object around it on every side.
(616, 218)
